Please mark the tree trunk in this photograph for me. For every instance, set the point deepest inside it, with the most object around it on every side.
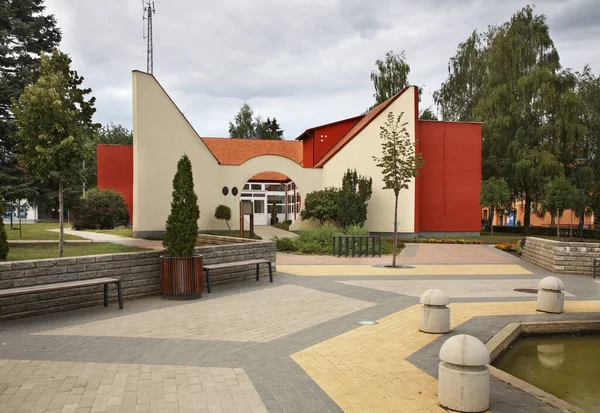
(527, 215)
(552, 219)
(395, 230)
(492, 213)
(558, 226)
(61, 223)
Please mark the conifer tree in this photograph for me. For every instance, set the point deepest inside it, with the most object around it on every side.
(182, 224)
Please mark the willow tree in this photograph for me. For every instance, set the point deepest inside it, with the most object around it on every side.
(399, 163)
(54, 121)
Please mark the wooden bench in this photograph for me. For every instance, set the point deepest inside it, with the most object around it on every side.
(207, 268)
(42, 288)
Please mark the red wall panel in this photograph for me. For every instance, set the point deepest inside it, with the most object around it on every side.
(115, 171)
(327, 136)
(450, 180)
(308, 160)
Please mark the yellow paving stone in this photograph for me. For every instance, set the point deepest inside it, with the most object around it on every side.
(364, 370)
(362, 270)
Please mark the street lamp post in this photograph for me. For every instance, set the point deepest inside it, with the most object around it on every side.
(580, 162)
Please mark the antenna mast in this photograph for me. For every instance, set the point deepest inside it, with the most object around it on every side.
(149, 10)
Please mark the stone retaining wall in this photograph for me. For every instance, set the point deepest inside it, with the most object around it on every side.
(138, 271)
(562, 257)
(220, 240)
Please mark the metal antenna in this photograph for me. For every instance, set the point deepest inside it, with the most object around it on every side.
(149, 10)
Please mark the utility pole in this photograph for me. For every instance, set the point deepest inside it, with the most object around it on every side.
(149, 10)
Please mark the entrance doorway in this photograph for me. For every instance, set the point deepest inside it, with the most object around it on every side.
(268, 190)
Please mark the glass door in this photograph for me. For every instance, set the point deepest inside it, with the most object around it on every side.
(260, 212)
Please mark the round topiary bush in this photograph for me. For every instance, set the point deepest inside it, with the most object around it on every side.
(223, 212)
(100, 209)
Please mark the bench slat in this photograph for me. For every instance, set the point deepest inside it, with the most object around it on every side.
(235, 264)
(9, 292)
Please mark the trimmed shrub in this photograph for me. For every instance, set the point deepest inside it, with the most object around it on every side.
(3, 238)
(100, 209)
(182, 224)
(223, 212)
(321, 205)
(286, 245)
(285, 225)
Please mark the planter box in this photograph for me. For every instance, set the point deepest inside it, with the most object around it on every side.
(181, 277)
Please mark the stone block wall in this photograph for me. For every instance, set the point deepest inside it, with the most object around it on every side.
(138, 271)
(562, 257)
(220, 240)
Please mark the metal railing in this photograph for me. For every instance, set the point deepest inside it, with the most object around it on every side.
(356, 244)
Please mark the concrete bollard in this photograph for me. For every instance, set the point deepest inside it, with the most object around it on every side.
(435, 316)
(550, 298)
(464, 376)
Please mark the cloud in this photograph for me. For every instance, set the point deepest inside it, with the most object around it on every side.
(306, 62)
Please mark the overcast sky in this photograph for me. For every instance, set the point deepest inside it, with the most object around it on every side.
(305, 62)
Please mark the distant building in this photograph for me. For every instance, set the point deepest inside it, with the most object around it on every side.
(21, 209)
(442, 200)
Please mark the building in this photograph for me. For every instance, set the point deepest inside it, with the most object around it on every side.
(442, 200)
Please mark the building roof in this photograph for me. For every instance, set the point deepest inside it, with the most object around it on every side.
(358, 127)
(308, 131)
(270, 176)
(229, 151)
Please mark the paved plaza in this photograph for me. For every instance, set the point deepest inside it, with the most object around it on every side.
(290, 346)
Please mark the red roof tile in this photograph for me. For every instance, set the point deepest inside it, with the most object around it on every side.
(356, 129)
(270, 176)
(229, 151)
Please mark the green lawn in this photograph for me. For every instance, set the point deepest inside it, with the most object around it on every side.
(35, 232)
(19, 252)
(120, 232)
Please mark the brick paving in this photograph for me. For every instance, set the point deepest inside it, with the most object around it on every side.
(456, 288)
(293, 346)
(58, 386)
(412, 254)
(242, 317)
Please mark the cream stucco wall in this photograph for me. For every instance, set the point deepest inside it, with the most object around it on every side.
(161, 135)
(358, 154)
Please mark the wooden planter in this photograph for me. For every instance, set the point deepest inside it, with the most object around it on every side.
(181, 277)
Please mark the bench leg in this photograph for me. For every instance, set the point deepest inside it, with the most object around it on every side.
(120, 295)
(270, 273)
(105, 295)
(257, 271)
(207, 280)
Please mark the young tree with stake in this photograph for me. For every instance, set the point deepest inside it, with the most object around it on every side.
(54, 121)
(399, 164)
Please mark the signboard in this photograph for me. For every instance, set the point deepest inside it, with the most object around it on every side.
(510, 219)
(247, 208)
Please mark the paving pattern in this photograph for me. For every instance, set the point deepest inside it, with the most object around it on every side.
(293, 346)
(361, 270)
(365, 370)
(258, 316)
(412, 254)
(456, 288)
(58, 386)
